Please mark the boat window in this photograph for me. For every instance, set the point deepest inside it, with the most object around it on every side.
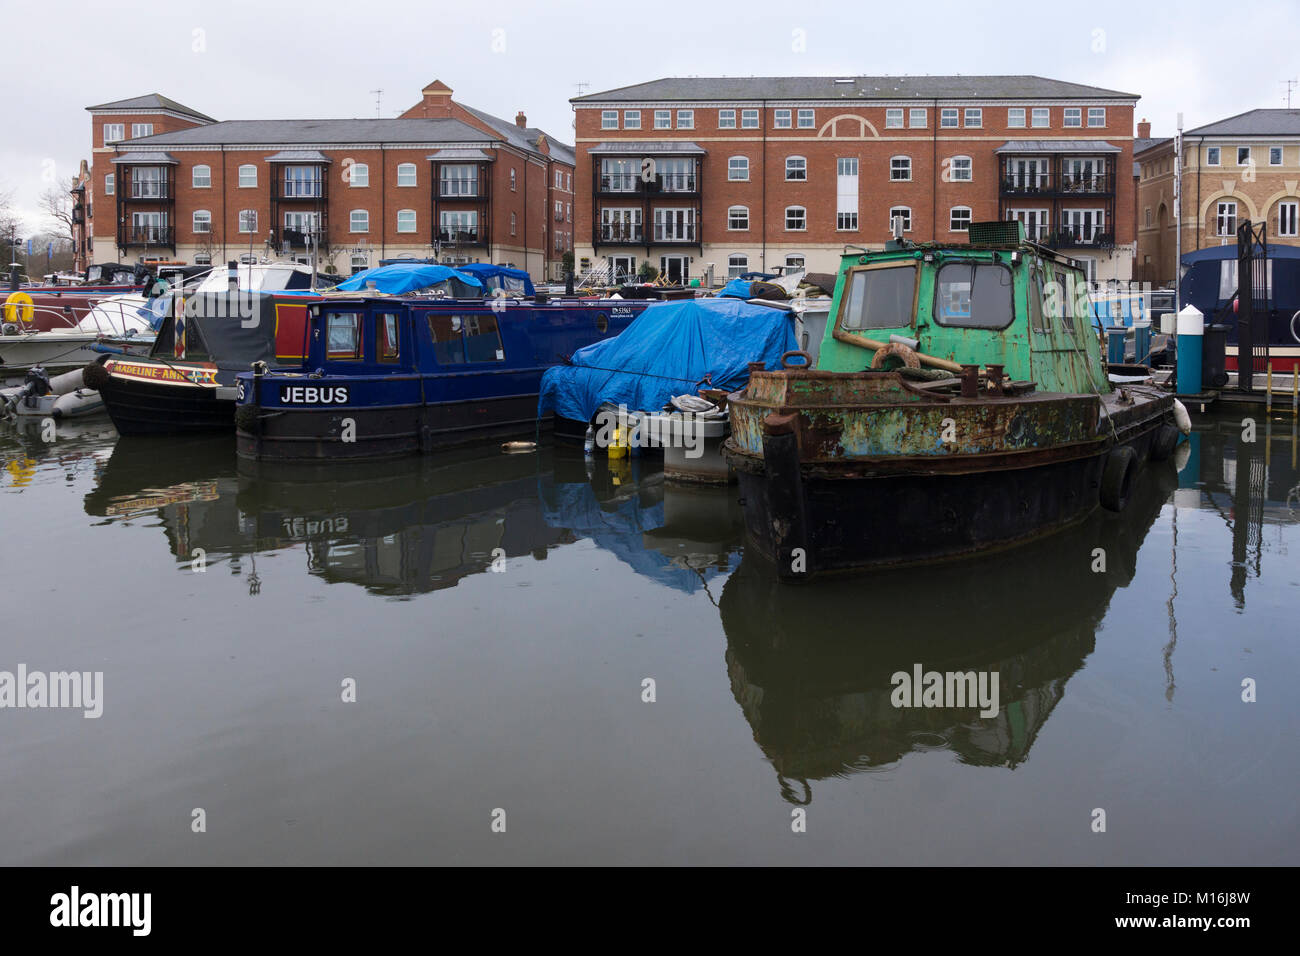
(1037, 314)
(879, 298)
(386, 346)
(448, 347)
(343, 335)
(1065, 300)
(973, 296)
(483, 339)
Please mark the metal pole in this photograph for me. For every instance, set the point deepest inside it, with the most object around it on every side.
(1178, 217)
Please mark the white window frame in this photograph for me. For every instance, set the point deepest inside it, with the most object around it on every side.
(631, 119)
(1281, 156)
(949, 113)
(1217, 152)
(749, 119)
(783, 119)
(732, 213)
(918, 112)
(114, 133)
(609, 119)
(1073, 117)
(110, 184)
(1096, 117)
(247, 221)
(1016, 117)
(203, 258)
(1043, 113)
(352, 220)
(663, 119)
(139, 130)
(686, 119)
(975, 113)
(726, 119)
(736, 269)
(1249, 161)
(414, 175)
(803, 214)
(514, 181)
(1221, 215)
(894, 118)
(801, 267)
(806, 119)
(247, 172)
(969, 167)
(1294, 207)
(907, 218)
(206, 220)
(736, 164)
(414, 220)
(907, 160)
(803, 169)
(514, 222)
(359, 175)
(203, 181)
(843, 224)
(846, 166)
(952, 217)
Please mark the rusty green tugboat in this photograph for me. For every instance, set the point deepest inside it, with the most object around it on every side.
(855, 464)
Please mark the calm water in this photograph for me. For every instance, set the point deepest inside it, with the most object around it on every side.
(499, 614)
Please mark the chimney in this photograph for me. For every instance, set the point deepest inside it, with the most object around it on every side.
(521, 120)
(1144, 129)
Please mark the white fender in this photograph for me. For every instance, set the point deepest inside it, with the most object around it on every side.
(1181, 418)
(83, 401)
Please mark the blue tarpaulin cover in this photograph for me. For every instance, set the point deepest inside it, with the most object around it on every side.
(737, 289)
(668, 349)
(501, 277)
(399, 279)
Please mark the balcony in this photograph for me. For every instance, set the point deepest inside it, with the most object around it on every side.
(294, 189)
(1051, 185)
(622, 234)
(147, 189)
(299, 238)
(148, 236)
(458, 189)
(1070, 236)
(677, 184)
(462, 237)
(669, 233)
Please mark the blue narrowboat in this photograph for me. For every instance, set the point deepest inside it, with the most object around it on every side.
(385, 376)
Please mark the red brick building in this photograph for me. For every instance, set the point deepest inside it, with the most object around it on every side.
(443, 179)
(766, 172)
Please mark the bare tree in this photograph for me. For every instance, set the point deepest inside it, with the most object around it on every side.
(56, 203)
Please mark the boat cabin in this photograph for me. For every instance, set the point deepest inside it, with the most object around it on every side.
(1000, 300)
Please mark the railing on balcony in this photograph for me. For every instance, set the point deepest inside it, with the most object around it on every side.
(621, 232)
(1071, 236)
(674, 232)
(662, 183)
(1095, 184)
(458, 188)
(300, 238)
(149, 236)
(1021, 183)
(462, 237)
(299, 189)
(1026, 185)
(151, 189)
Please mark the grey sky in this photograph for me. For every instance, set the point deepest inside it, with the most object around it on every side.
(266, 60)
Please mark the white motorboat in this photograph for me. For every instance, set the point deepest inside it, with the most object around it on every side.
(121, 324)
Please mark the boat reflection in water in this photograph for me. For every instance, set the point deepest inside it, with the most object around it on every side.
(811, 666)
(683, 537)
(30, 444)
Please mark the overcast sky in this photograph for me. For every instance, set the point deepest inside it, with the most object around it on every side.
(269, 60)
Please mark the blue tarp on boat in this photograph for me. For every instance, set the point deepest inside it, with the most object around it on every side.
(737, 289)
(501, 277)
(399, 279)
(666, 351)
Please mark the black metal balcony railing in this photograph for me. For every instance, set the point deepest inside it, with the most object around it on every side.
(663, 183)
(300, 189)
(149, 236)
(300, 238)
(458, 189)
(1088, 184)
(463, 237)
(675, 232)
(151, 189)
(621, 232)
(1026, 185)
(1069, 236)
(1066, 184)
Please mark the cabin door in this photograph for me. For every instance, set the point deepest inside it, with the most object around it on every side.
(1059, 322)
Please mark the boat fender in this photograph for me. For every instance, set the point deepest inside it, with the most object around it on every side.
(1181, 418)
(95, 375)
(246, 417)
(898, 350)
(518, 447)
(1164, 442)
(1117, 477)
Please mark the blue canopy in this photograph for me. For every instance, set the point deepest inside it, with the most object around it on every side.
(501, 277)
(666, 351)
(397, 279)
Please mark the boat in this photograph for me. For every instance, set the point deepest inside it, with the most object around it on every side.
(395, 374)
(60, 302)
(859, 463)
(118, 325)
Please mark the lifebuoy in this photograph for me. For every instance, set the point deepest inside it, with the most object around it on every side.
(895, 350)
(1117, 477)
(19, 307)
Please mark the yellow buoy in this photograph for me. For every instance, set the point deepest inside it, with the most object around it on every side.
(19, 307)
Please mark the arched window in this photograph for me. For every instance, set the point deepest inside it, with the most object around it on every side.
(247, 176)
(738, 217)
(359, 221)
(201, 177)
(796, 218)
(796, 169)
(406, 174)
(406, 220)
(737, 266)
(738, 169)
(358, 174)
(202, 221)
(900, 168)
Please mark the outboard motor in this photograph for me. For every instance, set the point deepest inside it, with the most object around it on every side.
(37, 382)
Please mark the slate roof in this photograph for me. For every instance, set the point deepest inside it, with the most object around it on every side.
(524, 137)
(317, 132)
(1141, 145)
(904, 88)
(1057, 146)
(1269, 122)
(152, 101)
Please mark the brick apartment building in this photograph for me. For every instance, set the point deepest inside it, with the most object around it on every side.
(442, 179)
(1242, 167)
(765, 172)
